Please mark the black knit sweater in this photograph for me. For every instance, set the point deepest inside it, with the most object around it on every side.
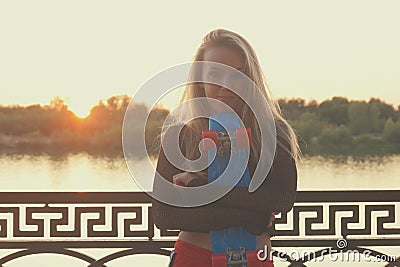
(237, 208)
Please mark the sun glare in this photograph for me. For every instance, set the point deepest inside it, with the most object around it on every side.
(79, 110)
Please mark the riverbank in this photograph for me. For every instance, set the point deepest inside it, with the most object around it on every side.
(110, 143)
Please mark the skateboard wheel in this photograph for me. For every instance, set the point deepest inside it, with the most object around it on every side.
(218, 260)
(212, 134)
(241, 135)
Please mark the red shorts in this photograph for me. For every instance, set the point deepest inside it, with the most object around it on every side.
(187, 254)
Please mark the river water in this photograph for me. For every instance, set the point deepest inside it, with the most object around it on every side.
(82, 172)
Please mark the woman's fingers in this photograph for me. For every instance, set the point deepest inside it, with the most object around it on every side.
(271, 219)
(182, 179)
(178, 180)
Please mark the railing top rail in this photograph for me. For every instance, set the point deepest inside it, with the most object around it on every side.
(143, 197)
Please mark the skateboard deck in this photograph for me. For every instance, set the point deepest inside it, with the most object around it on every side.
(231, 246)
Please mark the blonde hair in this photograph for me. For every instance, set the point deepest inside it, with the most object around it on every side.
(251, 68)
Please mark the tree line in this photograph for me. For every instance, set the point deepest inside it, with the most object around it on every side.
(343, 126)
(334, 126)
(54, 128)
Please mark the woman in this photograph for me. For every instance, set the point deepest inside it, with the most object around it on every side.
(253, 211)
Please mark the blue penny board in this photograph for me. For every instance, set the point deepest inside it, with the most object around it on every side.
(233, 237)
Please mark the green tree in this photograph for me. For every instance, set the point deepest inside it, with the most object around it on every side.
(308, 126)
(375, 121)
(336, 139)
(358, 117)
(292, 108)
(312, 106)
(391, 132)
(386, 111)
(334, 111)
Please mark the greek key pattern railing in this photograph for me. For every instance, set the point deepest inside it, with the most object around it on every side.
(52, 222)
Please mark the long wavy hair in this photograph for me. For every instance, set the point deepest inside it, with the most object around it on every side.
(251, 68)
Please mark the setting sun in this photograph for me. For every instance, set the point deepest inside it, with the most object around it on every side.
(80, 108)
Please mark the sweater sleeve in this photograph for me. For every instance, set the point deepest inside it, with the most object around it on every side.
(276, 193)
(203, 218)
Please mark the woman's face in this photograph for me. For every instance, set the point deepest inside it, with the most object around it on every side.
(224, 75)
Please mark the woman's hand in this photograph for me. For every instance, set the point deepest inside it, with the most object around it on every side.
(185, 178)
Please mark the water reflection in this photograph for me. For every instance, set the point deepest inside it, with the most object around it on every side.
(86, 172)
(349, 173)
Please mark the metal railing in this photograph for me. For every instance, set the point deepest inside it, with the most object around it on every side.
(62, 222)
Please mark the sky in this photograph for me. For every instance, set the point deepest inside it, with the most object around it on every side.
(84, 51)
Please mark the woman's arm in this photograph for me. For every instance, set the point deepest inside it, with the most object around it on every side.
(204, 218)
(276, 193)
